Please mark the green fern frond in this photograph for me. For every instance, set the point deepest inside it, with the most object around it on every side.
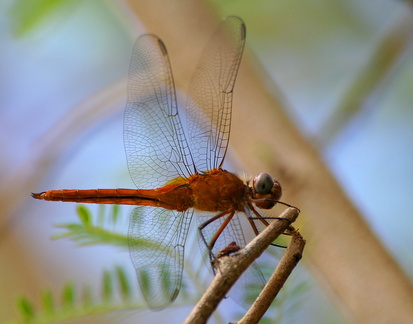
(75, 305)
(26, 309)
(68, 296)
(124, 287)
(107, 287)
(84, 215)
(85, 235)
(100, 230)
(92, 230)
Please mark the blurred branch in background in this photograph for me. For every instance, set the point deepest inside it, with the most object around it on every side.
(364, 92)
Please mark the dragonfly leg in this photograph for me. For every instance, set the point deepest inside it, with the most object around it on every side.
(214, 239)
(263, 220)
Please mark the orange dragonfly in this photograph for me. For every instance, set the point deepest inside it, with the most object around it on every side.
(185, 168)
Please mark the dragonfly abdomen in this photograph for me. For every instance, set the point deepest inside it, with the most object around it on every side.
(169, 197)
(96, 196)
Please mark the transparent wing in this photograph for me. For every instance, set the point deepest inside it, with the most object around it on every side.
(209, 101)
(155, 144)
(252, 280)
(156, 244)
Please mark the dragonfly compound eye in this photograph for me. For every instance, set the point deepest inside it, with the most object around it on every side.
(263, 183)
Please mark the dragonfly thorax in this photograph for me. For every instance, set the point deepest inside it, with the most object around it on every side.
(218, 190)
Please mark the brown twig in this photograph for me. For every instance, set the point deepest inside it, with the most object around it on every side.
(286, 265)
(231, 268)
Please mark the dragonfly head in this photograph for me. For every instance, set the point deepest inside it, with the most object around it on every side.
(267, 189)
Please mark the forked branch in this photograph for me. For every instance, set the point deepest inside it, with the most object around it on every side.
(231, 268)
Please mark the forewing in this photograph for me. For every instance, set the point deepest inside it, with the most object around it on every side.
(155, 144)
(252, 280)
(209, 101)
(156, 244)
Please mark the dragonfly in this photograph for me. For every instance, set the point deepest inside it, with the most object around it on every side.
(178, 169)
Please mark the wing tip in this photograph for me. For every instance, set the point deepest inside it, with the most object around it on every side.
(162, 47)
(238, 20)
(152, 37)
(160, 305)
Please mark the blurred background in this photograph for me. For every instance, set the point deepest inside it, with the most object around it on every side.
(344, 70)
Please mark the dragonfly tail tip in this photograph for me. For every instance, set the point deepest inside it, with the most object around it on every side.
(39, 195)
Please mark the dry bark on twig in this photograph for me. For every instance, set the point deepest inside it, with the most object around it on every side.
(231, 267)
